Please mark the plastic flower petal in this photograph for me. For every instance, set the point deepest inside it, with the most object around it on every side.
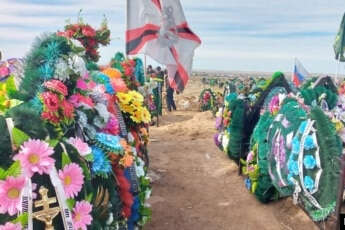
(72, 179)
(100, 164)
(82, 147)
(293, 167)
(56, 86)
(308, 183)
(10, 226)
(34, 156)
(81, 215)
(51, 101)
(309, 143)
(295, 145)
(10, 191)
(309, 162)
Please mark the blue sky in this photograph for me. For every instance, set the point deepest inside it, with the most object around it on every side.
(253, 35)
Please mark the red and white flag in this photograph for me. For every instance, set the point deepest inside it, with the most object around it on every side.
(159, 29)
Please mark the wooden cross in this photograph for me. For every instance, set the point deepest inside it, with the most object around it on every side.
(47, 214)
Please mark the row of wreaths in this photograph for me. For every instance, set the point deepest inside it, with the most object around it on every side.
(287, 141)
(78, 130)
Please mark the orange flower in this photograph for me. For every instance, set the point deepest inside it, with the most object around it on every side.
(112, 73)
(126, 160)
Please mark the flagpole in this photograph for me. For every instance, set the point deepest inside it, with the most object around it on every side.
(126, 26)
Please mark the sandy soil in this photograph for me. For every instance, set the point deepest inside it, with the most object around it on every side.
(195, 185)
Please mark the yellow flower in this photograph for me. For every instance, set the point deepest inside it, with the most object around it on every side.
(137, 104)
(127, 108)
(136, 96)
(137, 116)
(146, 116)
(124, 98)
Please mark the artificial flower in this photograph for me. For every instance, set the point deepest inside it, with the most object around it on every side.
(10, 191)
(112, 73)
(81, 84)
(309, 162)
(51, 117)
(88, 31)
(4, 71)
(10, 226)
(126, 160)
(51, 101)
(68, 109)
(124, 98)
(302, 127)
(72, 179)
(113, 126)
(119, 85)
(82, 147)
(136, 96)
(35, 156)
(309, 183)
(101, 164)
(293, 167)
(309, 143)
(295, 145)
(79, 100)
(109, 142)
(56, 86)
(82, 215)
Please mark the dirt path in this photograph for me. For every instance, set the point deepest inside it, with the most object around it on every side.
(197, 187)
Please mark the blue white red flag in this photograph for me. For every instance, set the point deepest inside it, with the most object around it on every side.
(299, 73)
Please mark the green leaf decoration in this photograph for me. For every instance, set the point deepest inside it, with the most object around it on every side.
(53, 143)
(89, 157)
(70, 203)
(65, 160)
(145, 211)
(89, 197)
(2, 174)
(22, 219)
(19, 137)
(14, 170)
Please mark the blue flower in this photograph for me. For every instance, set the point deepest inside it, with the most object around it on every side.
(302, 127)
(230, 97)
(248, 183)
(309, 162)
(308, 183)
(109, 142)
(101, 164)
(293, 167)
(309, 143)
(295, 145)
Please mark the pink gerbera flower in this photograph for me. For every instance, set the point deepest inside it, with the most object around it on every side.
(82, 147)
(10, 190)
(72, 178)
(81, 215)
(34, 156)
(10, 226)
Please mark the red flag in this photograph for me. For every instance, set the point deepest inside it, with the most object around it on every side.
(159, 29)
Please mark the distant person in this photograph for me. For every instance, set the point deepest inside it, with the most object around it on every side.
(160, 73)
(170, 95)
(149, 71)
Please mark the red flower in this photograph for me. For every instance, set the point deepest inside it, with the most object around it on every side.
(69, 33)
(49, 116)
(91, 42)
(56, 86)
(88, 31)
(51, 101)
(68, 109)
